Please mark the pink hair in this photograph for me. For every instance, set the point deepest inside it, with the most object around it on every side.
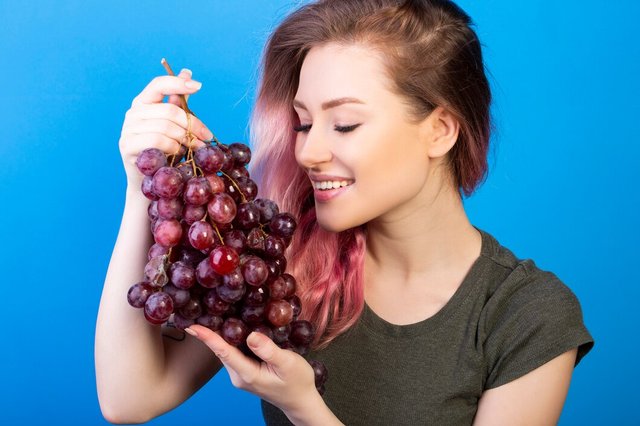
(433, 58)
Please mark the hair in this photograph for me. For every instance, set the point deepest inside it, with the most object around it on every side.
(433, 58)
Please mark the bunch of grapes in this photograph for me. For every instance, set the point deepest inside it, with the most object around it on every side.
(218, 258)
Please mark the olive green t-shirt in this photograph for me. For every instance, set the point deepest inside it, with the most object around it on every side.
(507, 318)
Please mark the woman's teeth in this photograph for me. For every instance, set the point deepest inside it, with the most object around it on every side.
(324, 185)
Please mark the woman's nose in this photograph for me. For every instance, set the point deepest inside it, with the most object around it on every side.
(312, 149)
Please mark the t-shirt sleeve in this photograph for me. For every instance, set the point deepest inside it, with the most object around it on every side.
(532, 318)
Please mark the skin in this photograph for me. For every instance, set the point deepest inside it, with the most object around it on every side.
(420, 245)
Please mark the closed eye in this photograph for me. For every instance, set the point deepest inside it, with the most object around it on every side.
(342, 129)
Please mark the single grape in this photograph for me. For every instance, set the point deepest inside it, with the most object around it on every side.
(296, 305)
(186, 170)
(191, 310)
(222, 208)
(167, 182)
(320, 372)
(170, 208)
(206, 276)
(234, 279)
(152, 211)
(290, 285)
(264, 329)
(159, 306)
(247, 187)
(197, 191)
(235, 239)
(231, 295)
(216, 183)
(201, 235)
(247, 216)
(278, 289)
(256, 296)
(213, 322)
(139, 293)
(268, 209)
(241, 154)
(228, 162)
(234, 331)
(252, 315)
(155, 271)
(281, 333)
(147, 188)
(224, 259)
(179, 296)
(214, 304)
(150, 161)
(168, 232)
(209, 158)
(238, 172)
(192, 214)
(279, 312)
(157, 250)
(273, 246)
(181, 322)
(255, 271)
(182, 275)
(255, 240)
(190, 256)
(283, 225)
(302, 332)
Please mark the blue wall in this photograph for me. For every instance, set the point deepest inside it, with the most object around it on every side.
(562, 189)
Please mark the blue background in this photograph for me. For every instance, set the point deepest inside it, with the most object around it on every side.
(563, 187)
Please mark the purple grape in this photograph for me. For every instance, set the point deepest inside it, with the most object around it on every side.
(201, 235)
(152, 211)
(290, 285)
(247, 187)
(197, 191)
(264, 329)
(320, 372)
(168, 233)
(281, 334)
(167, 182)
(247, 216)
(181, 322)
(234, 331)
(206, 276)
(191, 310)
(273, 246)
(252, 315)
(238, 172)
(209, 158)
(241, 154)
(216, 183)
(255, 240)
(192, 214)
(182, 275)
(230, 295)
(155, 271)
(179, 296)
(150, 161)
(256, 296)
(278, 289)
(139, 293)
(221, 208)
(279, 312)
(186, 170)
(268, 209)
(235, 239)
(302, 332)
(234, 279)
(190, 256)
(214, 304)
(157, 250)
(255, 271)
(228, 162)
(283, 225)
(213, 322)
(147, 188)
(169, 208)
(159, 306)
(296, 305)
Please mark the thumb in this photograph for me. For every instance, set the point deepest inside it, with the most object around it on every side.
(185, 74)
(266, 349)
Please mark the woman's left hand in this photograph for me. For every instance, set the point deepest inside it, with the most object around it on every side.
(284, 378)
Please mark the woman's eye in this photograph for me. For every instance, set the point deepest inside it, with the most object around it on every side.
(302, 128)
(342, 129)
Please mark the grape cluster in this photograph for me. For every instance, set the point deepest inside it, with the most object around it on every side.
(218, 258)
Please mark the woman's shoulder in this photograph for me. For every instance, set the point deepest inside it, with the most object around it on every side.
(528, 316)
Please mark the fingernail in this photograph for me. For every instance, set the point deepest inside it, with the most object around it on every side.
(186, 71)
(192, 84)
(191, 332)
(207, 134)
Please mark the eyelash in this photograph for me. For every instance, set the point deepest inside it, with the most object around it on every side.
(341, 129)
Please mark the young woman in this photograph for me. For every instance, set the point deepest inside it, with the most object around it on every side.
(372, 120)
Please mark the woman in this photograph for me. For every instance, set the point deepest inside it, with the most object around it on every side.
(372, 120)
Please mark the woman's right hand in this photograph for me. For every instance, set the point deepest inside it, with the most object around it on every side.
(152, 123)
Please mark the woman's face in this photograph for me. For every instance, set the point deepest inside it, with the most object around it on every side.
(364, 157)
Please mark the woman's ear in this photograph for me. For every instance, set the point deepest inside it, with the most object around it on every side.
(440, 131)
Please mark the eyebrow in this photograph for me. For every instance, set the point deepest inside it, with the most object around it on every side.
(330, 104)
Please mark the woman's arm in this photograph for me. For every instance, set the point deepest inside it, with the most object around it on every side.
(139, 373)
(536, 398)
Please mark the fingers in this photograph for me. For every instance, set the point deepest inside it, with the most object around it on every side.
(267, 350)
(165, 85)
(169, 112)
(247, 369)
(175, 99)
